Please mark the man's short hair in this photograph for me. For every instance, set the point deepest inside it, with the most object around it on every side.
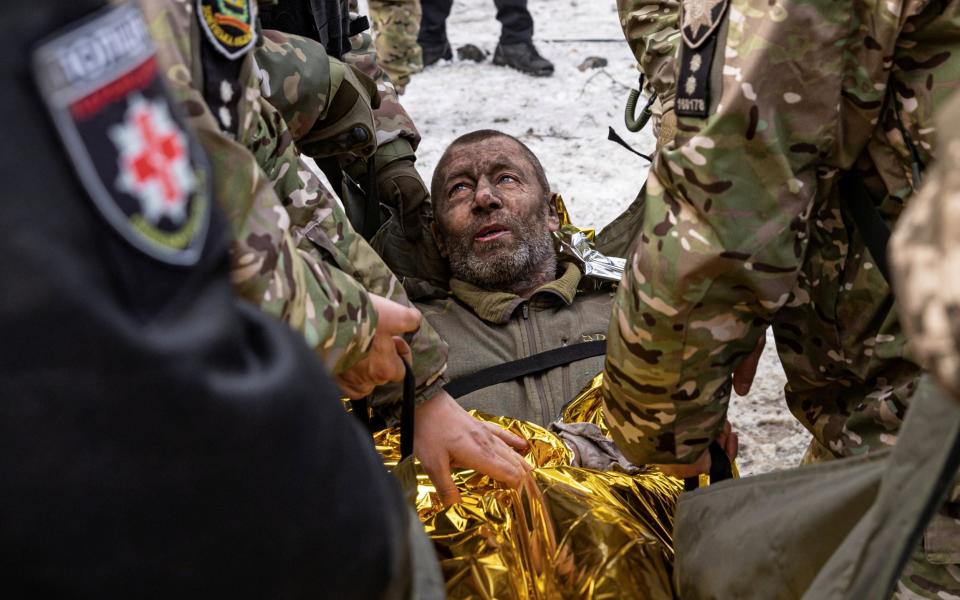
(478, 136)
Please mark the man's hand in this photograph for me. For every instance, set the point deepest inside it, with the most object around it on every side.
(744, 373)
(727, 439)
(384, 362)
(447, 436)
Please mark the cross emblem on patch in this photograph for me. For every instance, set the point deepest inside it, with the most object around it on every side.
(153, 165)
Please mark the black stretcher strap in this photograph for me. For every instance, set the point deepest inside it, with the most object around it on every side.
(361, 409)
(866, 216)
(522, 367)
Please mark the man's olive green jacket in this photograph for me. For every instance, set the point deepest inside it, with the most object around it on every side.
(485, 328)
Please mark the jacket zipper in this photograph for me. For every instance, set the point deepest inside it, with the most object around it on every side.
(537, 379)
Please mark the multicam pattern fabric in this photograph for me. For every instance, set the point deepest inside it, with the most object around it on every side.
(743, 227)
(294, 253)
(294, 84)
(925, 258)
(651, 29)
(392, 120)
(328, 306)
(396, 24)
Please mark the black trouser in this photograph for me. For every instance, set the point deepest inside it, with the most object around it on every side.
(517, 24)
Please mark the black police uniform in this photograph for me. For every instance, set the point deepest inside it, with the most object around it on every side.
(158, 438)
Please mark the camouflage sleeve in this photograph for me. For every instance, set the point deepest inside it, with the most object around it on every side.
(727, 210)
(925, 260)
(328, 306)
(651, 29)
(324, 234)
(391, 120)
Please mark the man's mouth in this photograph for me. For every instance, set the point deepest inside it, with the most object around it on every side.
(491, 232)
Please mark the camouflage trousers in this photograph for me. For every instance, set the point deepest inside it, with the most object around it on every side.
(850, 376)
(396, 24)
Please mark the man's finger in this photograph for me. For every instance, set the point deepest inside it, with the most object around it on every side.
(439, 474)
(732, 447)
(514, 441)
(403, 349)
(394, 318)
(747, 369)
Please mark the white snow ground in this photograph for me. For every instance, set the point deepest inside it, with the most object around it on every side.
(564, 120)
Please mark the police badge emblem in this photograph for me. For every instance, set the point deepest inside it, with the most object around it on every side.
(143, 170)
(229, 25)
(700, 19)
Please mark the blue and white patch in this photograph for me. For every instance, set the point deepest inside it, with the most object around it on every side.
(144, 171)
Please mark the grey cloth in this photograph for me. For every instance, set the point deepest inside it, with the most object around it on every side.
(591, 449)
(749, 539)
(427, 579)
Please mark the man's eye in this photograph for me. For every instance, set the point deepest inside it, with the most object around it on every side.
(507, 179)
(458, 188)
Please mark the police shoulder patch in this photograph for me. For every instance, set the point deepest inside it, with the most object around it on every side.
(229, 25)
(142, 168)
(699, 19)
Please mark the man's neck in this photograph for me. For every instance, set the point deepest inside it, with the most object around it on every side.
(527, 286)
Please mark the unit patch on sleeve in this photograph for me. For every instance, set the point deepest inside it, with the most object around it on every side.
(142, 168)
(229, 25)
(700, 22)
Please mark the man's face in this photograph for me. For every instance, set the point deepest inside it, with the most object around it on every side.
(494, 222)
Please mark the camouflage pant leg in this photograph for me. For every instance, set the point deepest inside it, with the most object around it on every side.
(923, 579)
(849, 379)
(396, 24)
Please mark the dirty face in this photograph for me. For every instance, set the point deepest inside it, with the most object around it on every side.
(493, 218)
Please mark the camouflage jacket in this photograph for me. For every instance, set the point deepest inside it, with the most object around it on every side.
(328, 306)
(743, 225)
(320, 225)
(293, 253)
(925, 257)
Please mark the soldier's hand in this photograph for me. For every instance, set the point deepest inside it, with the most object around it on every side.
(747, 369)
(384, 361)
(447, 436)
(727, 439)
(347, 125)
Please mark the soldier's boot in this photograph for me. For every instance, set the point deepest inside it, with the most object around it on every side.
(524, 57)
(433, 53)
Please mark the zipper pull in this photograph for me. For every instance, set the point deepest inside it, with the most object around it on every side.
(525, 311)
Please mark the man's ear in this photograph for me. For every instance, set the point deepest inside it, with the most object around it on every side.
(438, 238)
(553, 219)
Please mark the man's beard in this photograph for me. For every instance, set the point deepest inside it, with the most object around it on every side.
(526, 255)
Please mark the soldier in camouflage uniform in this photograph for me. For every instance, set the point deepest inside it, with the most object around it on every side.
(650, 27)
(396, 24)
(744, 226)
(293, 252)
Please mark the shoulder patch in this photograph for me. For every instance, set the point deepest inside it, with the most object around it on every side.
(142, 168)
(699, 19)
(699, 27)
(230, 25)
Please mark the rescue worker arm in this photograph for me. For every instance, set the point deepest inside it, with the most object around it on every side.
(652, 31)
(727, 213)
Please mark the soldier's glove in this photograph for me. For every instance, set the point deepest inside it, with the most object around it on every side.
(347, 125)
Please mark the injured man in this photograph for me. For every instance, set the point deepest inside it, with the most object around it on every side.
(525, 330)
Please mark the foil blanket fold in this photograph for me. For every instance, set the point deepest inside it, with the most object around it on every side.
(568, 532)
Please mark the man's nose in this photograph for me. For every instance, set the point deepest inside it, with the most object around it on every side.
(486, 197)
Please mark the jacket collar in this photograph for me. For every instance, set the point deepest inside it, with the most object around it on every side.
(498, 307)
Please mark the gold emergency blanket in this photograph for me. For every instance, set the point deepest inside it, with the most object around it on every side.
(568, 532)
